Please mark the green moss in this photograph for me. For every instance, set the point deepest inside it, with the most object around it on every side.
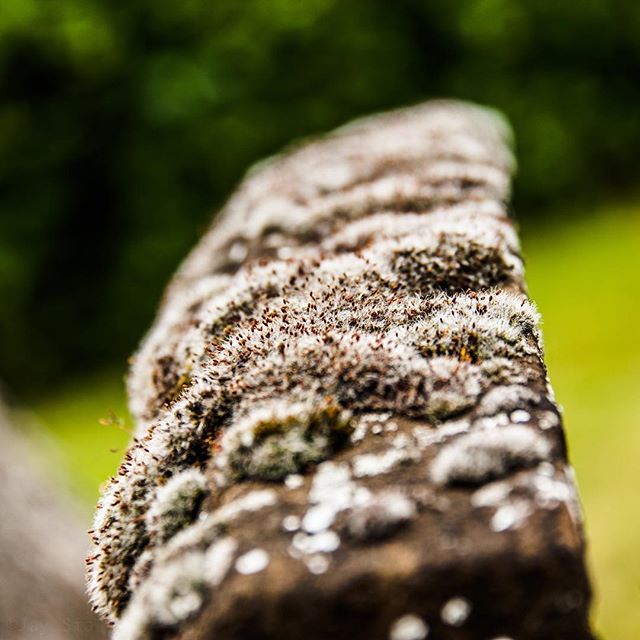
(285, 444)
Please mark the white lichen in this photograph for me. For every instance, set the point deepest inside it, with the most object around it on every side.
(291, 523)
(317, 564)
(520, 416)
(252, 501)
(253, 561)
(483, 455)
(505, 399)
(294, 481)
(318, 518)
(427, 436)
(409, 627)
(381, 515)
(323, 542)
(548, 420)
(172, 593)
(373, 464)
(176, 504)
(510, 516)
(456, 611)
(514, 499)
(175, 590)
(492, 494)
(218, 560)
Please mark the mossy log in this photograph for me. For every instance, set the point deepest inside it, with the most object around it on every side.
(345, 427)
(42, 545)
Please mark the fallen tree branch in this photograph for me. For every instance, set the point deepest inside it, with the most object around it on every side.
(345, 427)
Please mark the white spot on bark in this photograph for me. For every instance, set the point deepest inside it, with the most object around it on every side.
(409, 627)
(325, 542)
(252, 562)
(317, 564)
(481, 455)
(238, 251)
(291, 523)
(319, 518)
(456, 611)
(294, 481)
(520, 415)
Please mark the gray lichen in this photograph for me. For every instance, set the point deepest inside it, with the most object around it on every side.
(175, 591)
(176, 505)
(483, 455)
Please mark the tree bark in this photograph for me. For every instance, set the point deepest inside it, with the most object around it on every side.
(42, 545)
(345, 426)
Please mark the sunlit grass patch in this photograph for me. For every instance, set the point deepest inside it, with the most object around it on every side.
(584, 273)
(91, 423)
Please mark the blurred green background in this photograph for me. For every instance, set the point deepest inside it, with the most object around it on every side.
(124, 125)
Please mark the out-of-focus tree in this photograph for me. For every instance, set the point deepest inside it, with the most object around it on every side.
(122, 124)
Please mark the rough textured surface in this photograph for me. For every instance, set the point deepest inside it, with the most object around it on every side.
(41, 550)
(345, 428)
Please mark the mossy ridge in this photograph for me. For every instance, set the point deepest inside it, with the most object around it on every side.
(256, 299)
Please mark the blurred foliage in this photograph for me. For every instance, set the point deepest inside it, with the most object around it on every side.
(123, 124)
(584, 276)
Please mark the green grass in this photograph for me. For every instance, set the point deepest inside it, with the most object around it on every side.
(79, 417)
(584, 273)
